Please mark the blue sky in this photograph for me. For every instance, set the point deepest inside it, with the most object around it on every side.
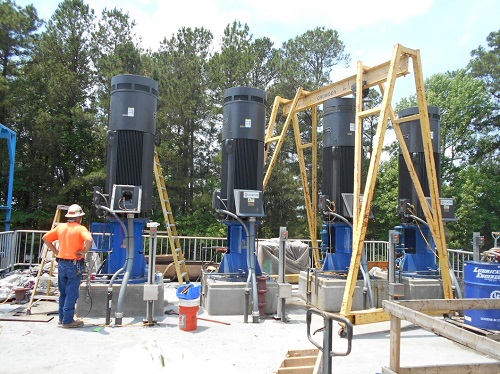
(445, 31)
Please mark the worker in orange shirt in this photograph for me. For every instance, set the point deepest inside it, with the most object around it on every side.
(74, 242)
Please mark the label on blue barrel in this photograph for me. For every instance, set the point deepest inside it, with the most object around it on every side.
(487, 274)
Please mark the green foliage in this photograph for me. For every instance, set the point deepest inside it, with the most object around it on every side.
(477, 193)
(185, 119)
(485, 64)
(284, 204)
(307, 60)
(18, 28)
(385, 202)
(464, 104)
(54, 92)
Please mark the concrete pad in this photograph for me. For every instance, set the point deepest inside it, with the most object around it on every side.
(220, 344)
(228, 298)
(93, 300)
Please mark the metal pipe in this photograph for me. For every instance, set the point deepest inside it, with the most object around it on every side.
(281, 272)
(339, 217)
(418, 219)
(392, 260)
(364, 267)
(151, 268)
(128, 270)
(250, 260)
(366, 278)
(251, 249)
(109, 296)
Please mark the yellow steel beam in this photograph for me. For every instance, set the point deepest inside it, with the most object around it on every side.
(314, 185)
(270, 132)
(358, 143)
(437, 227)
(363, 317)
(383, 75)
(311, 209)
(360, 223)
(372, 77)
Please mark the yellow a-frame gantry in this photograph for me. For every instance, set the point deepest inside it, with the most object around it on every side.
(383, 76)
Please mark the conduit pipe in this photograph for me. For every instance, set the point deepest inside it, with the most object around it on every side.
(367, 287)
(109, 297)
(128, 270)
(251, 267)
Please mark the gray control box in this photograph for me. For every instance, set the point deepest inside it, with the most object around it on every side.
(126, 199)
(249, 203)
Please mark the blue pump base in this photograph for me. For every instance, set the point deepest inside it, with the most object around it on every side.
(235, 260)
(416, 249)
(336, 244)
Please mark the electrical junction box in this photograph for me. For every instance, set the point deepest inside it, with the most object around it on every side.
(150, 292)
(284, 290)
(249, 203)
(447, 208)
(348, 208)
(126, 199)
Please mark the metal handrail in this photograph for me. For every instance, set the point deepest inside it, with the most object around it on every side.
(23, 248)
(326, 347)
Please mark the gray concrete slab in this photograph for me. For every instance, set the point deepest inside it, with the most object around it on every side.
(220, 344)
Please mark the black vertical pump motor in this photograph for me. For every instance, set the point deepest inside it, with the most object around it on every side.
(416, 245)
(413, 138)
(338, 150)
(337, 182)
(131, 136)
(242, 173)
(243, 134)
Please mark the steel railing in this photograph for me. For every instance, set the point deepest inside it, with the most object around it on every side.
(24, 247)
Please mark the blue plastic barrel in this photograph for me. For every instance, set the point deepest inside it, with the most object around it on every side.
(482, 280)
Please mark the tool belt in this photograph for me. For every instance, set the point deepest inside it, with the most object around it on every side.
(73, 261)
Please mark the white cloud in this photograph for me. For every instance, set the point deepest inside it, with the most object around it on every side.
(279, 20)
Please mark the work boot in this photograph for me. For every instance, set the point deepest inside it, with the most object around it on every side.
(75, 323)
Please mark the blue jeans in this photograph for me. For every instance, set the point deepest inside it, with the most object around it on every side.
(69, 279)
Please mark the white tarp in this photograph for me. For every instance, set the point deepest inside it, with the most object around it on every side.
(296, 256)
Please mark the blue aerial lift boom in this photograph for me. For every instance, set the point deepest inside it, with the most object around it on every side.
(11, 144)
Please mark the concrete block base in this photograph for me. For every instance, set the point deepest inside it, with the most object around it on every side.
(423, 288)
(93, 301)
(326, 292)
(228, 298)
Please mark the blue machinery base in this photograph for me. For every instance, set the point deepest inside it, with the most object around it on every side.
(235, 259)
(336, 246)
(110, 238)
(415, 251)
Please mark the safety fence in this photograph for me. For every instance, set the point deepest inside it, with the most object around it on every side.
(24, 248)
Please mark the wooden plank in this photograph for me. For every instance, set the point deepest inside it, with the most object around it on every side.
(302, 352)
(297, 370)
(450, 304)
(482, 368)
(299, 361)
(289, 278)
(395, 336)
(479, 343)
(26, 318)
(386, 370)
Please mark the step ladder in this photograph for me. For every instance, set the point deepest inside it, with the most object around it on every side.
(173, 237)
(46, 257)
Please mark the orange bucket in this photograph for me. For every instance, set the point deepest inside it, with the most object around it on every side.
(188, 314)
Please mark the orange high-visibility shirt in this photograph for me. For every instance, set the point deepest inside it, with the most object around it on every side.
(71, 237)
